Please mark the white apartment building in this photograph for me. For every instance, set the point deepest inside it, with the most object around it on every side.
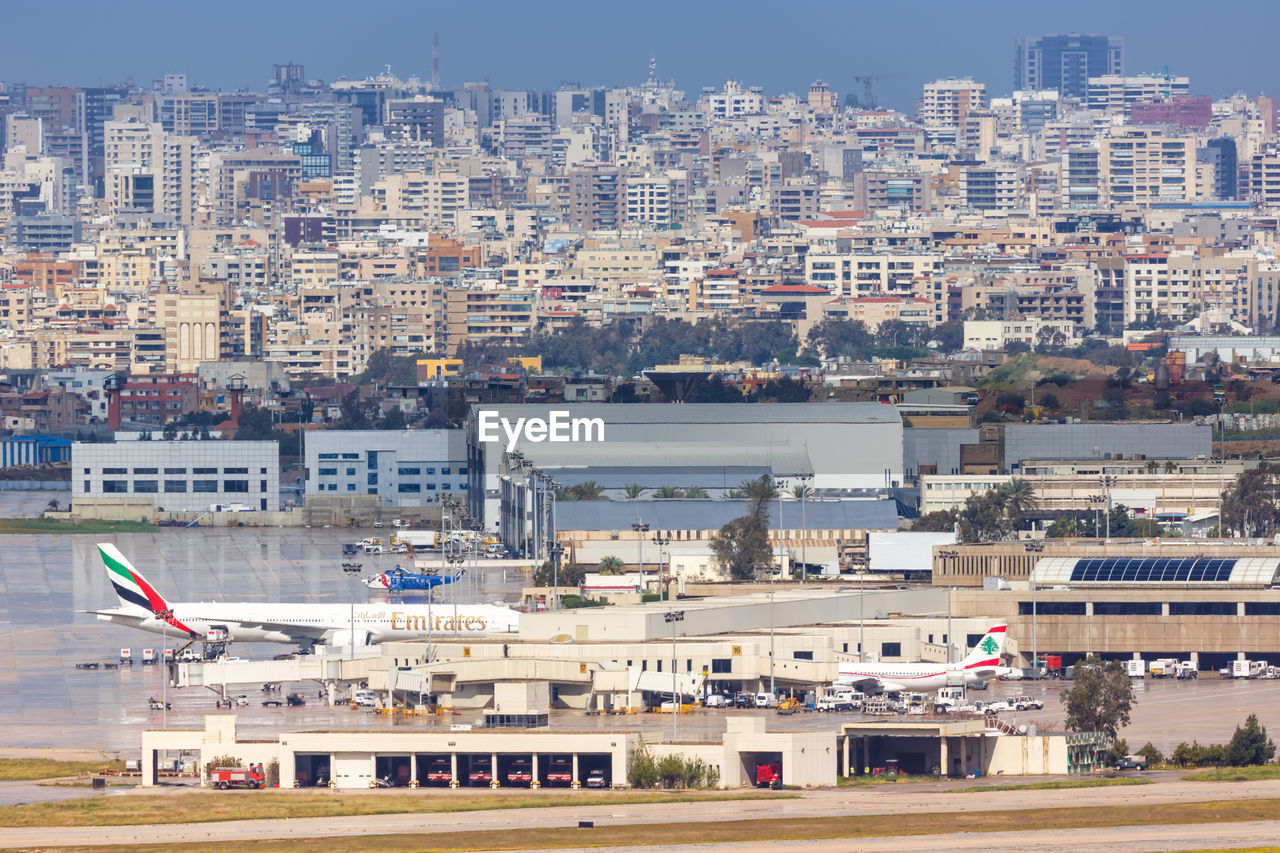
(1116, 92)
(182, 476)
(148, 170)
(867, 274)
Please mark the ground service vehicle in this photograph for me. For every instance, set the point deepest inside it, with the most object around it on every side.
(1136, 668)
(365, 698)
(769, 775)
(1027, 703)
(597, 779)
(1186, 669)
(766, 700)
(789, 705)
(481, 773)
(1162, 668)
(439, 773)
(295, 699)
(1247, 668)
(1132, 762)
(561, 773)
(521, 773)
(237, 777)
(1051, 665)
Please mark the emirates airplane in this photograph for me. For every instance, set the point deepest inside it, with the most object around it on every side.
(979, 665)
(142, 607)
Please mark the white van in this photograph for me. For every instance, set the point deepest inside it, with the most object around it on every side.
(365, 698)
(766, 700)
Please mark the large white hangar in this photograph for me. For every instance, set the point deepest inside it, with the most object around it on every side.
(847, 449)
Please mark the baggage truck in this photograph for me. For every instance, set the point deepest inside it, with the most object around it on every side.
(1136, 668)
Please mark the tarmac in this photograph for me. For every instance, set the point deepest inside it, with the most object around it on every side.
(902, 800)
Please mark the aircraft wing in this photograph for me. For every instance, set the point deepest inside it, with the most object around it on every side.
(315, 633)
(865, 683)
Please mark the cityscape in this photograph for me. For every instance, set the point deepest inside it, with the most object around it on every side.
(653, 440)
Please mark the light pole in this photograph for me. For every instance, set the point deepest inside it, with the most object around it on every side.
(641, 528)
(673, 617)
(555, 549)
(1107, 481)
(352, 570)
(165, 616)
(803, 489)
(662, 542)
(1097, 501)
(1034, 548)
(862, 573)
(946, 554)
(454, 557)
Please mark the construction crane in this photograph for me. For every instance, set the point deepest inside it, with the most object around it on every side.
(866, 80)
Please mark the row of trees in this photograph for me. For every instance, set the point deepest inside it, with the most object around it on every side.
(670, 771)
(1249, 746)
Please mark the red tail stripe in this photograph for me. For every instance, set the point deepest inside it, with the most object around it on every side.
(988, 662)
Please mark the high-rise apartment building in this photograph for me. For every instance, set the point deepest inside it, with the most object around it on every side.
(1144, 165)
(1066, 62)
(148, 171)
(947, 103)
(1113, 93)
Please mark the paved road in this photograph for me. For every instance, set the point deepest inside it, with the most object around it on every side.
(823, 803)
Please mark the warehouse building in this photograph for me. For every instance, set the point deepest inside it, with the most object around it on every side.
(841, 450)
(177, 476)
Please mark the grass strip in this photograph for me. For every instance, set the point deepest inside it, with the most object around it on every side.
(53, 525)
(27, 769)
(750, 832)
(1235, 774)
(210, 806)
(1058, 785)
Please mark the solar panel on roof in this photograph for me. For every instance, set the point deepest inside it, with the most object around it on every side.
(1152, 570)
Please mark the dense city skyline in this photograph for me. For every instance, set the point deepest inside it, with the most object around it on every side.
(519, 46)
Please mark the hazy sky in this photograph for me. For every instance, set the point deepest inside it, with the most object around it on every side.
(537, 44)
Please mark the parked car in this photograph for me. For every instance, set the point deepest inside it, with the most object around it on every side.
(597, 779)
(1132, 762)
(744, 700)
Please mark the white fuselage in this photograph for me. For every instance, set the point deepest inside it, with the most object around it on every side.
(295, 623)
(918, 677)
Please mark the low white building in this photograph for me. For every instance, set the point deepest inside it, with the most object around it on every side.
(412, 467)
(178, 476)
(1032, 331)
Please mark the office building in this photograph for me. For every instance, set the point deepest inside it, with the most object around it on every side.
(401, 467)
(1066, 62)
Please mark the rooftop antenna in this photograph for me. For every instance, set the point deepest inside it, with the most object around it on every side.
(653, 68)
(435, 60)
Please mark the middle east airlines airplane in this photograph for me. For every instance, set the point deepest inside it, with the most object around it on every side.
(979, 665)
(142, 607)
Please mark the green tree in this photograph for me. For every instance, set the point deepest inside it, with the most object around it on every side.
(938, 521)
(571, 574)
(1250, 507)
(634, 491)
(742, 545)
(1118, 750)
(255, 425)
(802, 491)
(667, 493)
(1250, 744)
(1100, 697)
(170, 431)
(1153, 755)
(1050, 401)
(784, 391)
(611, 565)
(695, 493)
(1019, 498)
(393, 419)
(832, 338)
(984, 519)
(588, 490)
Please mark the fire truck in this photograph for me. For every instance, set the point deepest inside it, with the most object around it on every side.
(237, 777)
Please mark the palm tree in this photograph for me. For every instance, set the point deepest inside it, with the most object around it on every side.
(1019, 497)
(1152, 466)
(634, 491)
(696, 492)
(1170, 467)
(736, 494)
(588, 490)
(762, 489)
(611, 565)
(802, 491)
(667, 493)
